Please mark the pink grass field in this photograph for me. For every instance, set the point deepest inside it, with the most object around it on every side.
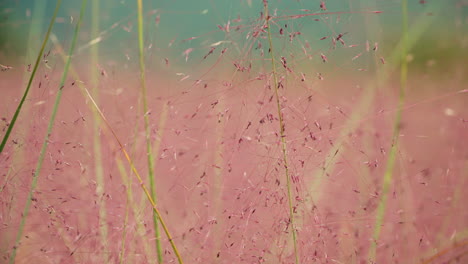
(217, 150)
(220, 182)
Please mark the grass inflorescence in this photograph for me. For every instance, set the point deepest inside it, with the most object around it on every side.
(240, 132)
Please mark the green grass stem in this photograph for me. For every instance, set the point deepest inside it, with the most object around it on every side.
(149, 151)
(49, 127)
(128, 181)
(421, 23)
(140, 180)
(33, 74)
(388, 175)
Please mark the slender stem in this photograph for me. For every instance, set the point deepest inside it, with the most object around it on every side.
(97, 144)
(140, 181)
(149, 151)
(282, 133)
(388, 175)
(26, 92)
(419, 26)
(48, 133)
(445, 251)
(140, 228)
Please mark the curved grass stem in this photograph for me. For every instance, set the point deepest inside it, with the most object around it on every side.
(419, 26)
(26, 92)
(45, 143)
(388, 175)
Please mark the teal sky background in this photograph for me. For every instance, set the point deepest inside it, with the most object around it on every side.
(183, 19)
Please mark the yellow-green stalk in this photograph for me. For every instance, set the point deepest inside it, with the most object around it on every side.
(26, 92)
(282, 134)
(149, 151)
(388, 175)
(140, 180)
